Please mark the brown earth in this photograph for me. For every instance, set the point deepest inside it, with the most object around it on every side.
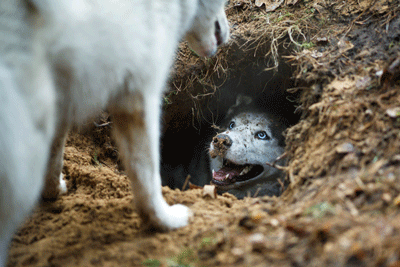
(342, 206)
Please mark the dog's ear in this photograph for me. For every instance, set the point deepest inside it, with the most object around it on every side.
(32, 8)
(241, 100)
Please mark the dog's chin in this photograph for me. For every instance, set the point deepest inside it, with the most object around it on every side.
(205, 44)
(234, 176)
(208, 49)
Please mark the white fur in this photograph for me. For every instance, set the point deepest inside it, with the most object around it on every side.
(63, 61)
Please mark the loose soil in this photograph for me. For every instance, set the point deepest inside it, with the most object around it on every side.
(342, 205)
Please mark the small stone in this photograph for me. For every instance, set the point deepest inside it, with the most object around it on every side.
(386, 197)
(345, 148)
(257, 241)
(274, 222)
(237, 252)
(210, 191)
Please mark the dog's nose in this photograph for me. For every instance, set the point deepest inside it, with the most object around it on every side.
(223, 139)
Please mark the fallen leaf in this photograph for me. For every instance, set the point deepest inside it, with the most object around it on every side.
(393, 112)
(322, 41)
(316, 54)
(344, 46)
(291, 2)
(240, 3)
(396, 201)
(270, 5)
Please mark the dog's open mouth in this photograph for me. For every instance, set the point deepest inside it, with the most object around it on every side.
(232, 175)
(218, 33)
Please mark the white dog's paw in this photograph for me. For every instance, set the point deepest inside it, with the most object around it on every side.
(175, 216)
(62, 187)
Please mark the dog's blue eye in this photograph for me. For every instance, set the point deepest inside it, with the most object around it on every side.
(231, 124)
(262, 135)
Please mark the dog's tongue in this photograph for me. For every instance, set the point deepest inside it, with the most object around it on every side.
(227, 173)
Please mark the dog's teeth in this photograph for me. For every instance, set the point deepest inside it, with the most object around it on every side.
(213, 172)
(246, 170)
(227, 176)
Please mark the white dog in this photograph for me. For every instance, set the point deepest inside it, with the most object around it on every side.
(62, 61)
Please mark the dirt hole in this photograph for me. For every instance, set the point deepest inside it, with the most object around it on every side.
(198, 103)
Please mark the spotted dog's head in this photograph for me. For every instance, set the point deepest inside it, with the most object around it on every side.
(239, 154)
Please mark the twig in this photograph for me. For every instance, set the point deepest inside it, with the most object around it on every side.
(216, 127)
(282, 185)
(359, 16)
(186, 182)
(102, 125)
(257, 191)
(276, 166)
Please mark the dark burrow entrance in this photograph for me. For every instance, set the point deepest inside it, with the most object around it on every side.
(196, 107)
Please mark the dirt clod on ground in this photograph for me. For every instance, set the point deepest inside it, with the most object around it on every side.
(342, 205)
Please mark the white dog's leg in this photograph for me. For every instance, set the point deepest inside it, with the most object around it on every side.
(62, 188)
(22, 160)
(137, 135)
(23, 152)
(54, 183)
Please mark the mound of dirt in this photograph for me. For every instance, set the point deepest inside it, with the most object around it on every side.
(342, 205)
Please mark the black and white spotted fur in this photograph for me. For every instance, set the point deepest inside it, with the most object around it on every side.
(250, 138)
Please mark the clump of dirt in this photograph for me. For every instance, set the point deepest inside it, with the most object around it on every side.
(341, 207)
(220, 147)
